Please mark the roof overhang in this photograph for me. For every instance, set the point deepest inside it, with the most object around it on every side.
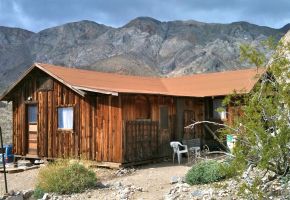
(36, 65)
(96, 90)
(170, 87)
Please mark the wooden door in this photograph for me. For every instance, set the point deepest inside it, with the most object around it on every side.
(32, 129)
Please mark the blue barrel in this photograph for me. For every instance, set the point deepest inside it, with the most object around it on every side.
(8, 156)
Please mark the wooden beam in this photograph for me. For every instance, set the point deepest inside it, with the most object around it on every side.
(96, 90)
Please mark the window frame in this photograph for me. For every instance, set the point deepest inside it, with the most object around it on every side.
(28, 113)
(73, 118)
(218, 115)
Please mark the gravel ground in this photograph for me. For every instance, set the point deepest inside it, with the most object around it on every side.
(19, 181)
(154, 180)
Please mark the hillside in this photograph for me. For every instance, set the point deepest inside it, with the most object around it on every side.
(144, 46)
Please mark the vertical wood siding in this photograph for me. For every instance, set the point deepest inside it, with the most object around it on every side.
(97, 132)
(132, 108)
(99, 121)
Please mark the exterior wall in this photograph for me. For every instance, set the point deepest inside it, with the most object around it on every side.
(97, 122)
(189, 110)
(147, 107)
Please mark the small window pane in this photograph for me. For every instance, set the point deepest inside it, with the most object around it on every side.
(65, 118)
(32, 114)
(164, 117)
(217, 103)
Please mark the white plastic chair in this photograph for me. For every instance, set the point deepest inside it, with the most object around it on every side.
(176, 145)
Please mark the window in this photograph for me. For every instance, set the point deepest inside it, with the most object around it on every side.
(163, 117)
(32, 114)
(65, 117)
(217, 106)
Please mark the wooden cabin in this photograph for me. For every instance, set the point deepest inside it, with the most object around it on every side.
(73, 113)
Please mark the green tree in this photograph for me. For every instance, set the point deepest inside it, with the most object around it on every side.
(263, 130)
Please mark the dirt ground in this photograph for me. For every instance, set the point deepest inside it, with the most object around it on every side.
(153, 178)
(19, 181)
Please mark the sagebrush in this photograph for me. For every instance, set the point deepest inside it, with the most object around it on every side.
(64, 177)
(205, 172)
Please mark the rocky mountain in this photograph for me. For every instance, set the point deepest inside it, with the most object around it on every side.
(144, 46)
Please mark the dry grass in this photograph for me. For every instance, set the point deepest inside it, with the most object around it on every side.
(65, 177)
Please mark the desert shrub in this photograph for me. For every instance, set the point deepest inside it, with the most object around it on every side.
(205, 172)
(38, 193)
(63, 177)
(228, 168)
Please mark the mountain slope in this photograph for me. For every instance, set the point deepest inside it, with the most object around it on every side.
(144, 46)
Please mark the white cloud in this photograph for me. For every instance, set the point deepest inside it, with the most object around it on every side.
(21, 17)
(39, 14)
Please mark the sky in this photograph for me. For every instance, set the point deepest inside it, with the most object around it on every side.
(36, 15)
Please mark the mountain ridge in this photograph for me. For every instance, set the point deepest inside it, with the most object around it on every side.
(143, 46)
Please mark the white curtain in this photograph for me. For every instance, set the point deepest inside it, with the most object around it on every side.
(65, 118)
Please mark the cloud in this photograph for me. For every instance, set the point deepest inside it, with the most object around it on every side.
(39, 14)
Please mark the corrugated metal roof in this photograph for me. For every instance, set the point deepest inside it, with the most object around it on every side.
(199, 85)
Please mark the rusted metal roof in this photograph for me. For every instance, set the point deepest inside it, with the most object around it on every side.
(198, 85)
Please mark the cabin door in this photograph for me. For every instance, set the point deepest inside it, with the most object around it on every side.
(32, 129)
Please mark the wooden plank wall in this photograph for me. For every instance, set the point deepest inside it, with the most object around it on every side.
(233, 113)
(98, 120)
(131, 111)
(141, 140)
(193, 108)
(97, 133)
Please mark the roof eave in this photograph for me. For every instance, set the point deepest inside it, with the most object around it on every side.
(6, 93)
(60, 80)
(10, 88)
(96, 90)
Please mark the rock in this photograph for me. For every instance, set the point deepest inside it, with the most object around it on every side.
(125, 171)
(45, 196)
(197, 193)
(181, 179)
(140, 189)
(55, 198)
(15, 197)
(126, 191)
(174, 179)
(24, 163)
(11, 192)
(171, 197)
(101, 185)
(27, 194)
(118, 185)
